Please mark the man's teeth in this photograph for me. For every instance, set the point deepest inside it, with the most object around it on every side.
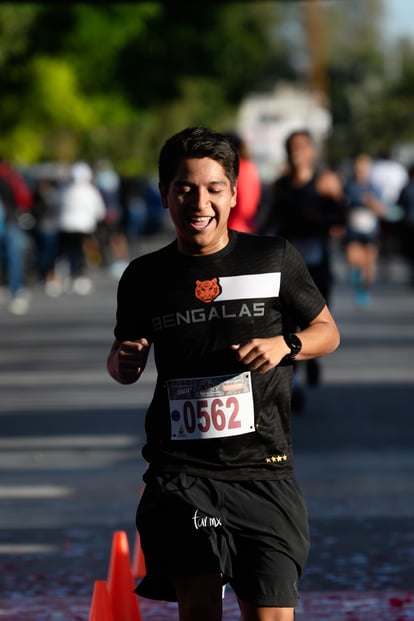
(200, 223)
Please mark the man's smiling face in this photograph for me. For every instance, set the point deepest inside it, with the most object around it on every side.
(199, 198)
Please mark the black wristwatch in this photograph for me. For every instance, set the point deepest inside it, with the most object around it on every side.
(295, 344)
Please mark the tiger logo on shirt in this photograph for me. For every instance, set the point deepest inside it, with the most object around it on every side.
(207, 290)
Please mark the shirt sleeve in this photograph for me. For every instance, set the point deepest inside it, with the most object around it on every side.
(299, 294)
(132, 320)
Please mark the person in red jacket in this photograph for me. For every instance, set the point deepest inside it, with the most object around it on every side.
(249, 191)
(22, 194)
(15, 205)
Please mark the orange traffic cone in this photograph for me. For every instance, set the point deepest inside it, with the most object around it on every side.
(101, 609)
(121, 583)
(139, 569)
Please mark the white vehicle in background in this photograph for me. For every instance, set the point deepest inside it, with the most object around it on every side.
(265, 120)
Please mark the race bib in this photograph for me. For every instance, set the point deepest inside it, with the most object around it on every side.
(202, 408)
(362, 220)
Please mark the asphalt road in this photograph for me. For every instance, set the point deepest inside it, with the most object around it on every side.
(70, 440)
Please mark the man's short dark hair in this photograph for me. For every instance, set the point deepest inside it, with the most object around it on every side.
(197, 142)
(297, 132)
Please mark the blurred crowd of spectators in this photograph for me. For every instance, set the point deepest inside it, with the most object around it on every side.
(57, 221)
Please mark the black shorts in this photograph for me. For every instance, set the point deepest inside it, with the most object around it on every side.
(253, 532)
(366, 239)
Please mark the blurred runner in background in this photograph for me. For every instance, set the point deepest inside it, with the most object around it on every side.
(308, 208)
(363, 228)
(249, 190)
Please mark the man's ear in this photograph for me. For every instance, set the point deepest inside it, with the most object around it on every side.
(163, 195)
(234, 197)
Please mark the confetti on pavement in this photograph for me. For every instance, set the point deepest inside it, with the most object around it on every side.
(316, 606)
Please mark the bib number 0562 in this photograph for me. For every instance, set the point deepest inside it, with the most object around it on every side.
(211, 415)
(205, 415)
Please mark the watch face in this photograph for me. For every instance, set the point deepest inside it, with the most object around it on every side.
(294, 343)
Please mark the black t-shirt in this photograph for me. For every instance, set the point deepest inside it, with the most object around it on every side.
(193, 308)
(302, 212)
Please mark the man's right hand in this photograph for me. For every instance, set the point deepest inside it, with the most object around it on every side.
(127, 360)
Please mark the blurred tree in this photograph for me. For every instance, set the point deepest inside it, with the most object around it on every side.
(389, 117)
(14, 32)
(356, 63)
(114, 79)
(66, 77)
(95, 75)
